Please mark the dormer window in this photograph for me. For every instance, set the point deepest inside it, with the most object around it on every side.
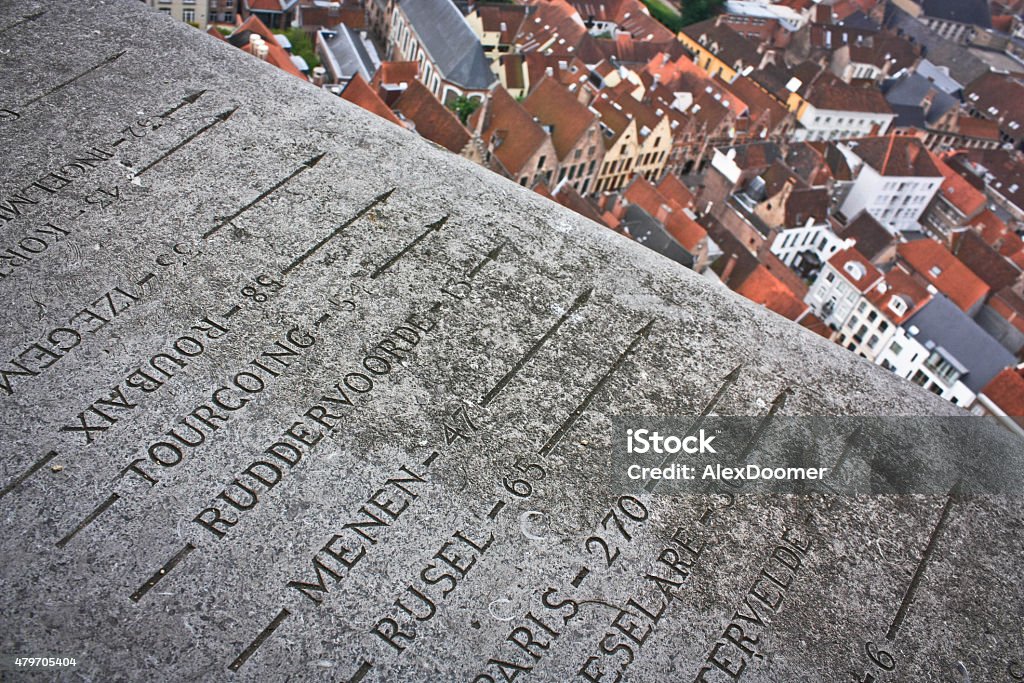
(855, 270)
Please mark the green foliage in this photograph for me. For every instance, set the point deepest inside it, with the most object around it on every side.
(693, 11)
(664, 15)
(302, 46)
(699, 10)
(464, 107)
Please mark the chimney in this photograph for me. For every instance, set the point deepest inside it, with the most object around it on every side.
(318, 75)
(662, 213)
(729, 267)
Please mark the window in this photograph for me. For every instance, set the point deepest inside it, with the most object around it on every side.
(896, 349)
(540, 162)
(188, 15)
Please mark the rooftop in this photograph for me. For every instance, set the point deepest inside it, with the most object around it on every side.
(566, 118)
(941, 268)
(942, 323)
(895, 155)
(450, 42)
(1006, 390)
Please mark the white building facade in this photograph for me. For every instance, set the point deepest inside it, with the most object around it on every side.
(832, 124)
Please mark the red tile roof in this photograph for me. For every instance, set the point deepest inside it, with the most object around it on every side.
(1006, 390)
(853, 266)
(999, 236)
(666, 211)
(263, 5)
(938, 266)
(554, 25)
(896, 155)
(312, 17)
(899, 284)
(830, 92)
(762, 106)
(870, 238)
(630, 15)
(538, 63)
(431, 119)
(816, 325)
(276, 54)
(509, 130)
(395, 73)
(571, 199)
(1010, 306)
(567, 119)
(503, 18)
(360, 93)
(763, 288)
(988, 264)
(998, 97)
(977, 128)
(676, 191)
(957, 191)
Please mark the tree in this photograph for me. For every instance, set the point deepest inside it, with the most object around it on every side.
(302, 46)
(464, 107)
(699, 10)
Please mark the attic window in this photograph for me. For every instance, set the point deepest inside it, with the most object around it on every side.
(856, 270)
(898, 305)
(935, 271)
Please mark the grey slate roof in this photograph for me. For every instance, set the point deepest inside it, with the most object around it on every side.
(650, 233)
(963, 66)
(905, 95)
(348, 54)
(450, 42)
(974, 12)
(942, 322)
(939, 76)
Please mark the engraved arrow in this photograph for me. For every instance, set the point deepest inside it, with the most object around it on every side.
(433, 227)
(641, 335)
(217, 120)
(187, 100)
(727, 382)
(576, 305)
(306, 165)
(492, 255)
(24, 20)
(109, 60)
(383, 197)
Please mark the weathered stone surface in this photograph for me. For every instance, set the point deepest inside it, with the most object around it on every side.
(210, 228)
